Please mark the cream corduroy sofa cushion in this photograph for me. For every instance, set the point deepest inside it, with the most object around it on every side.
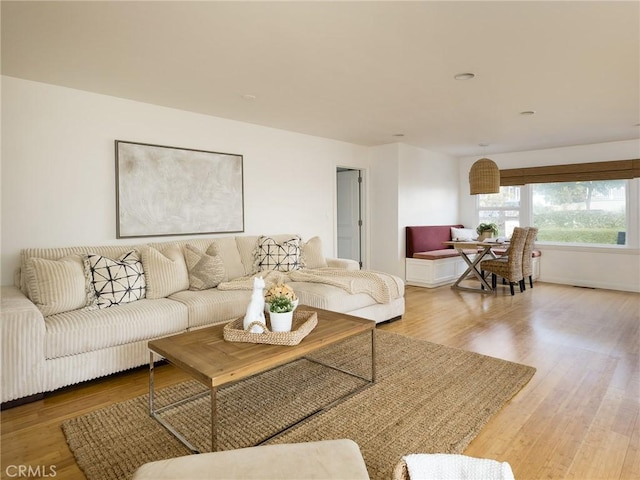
(57, 286)
(312, 256)
(165, 270)
(81, 331)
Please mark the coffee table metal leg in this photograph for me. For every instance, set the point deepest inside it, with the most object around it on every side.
(362, 376)
(156, 413)
(373, 356)
(151, 386)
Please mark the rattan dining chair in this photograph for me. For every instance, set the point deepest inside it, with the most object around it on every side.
(527, 257)
(510, 267)
(527, 254)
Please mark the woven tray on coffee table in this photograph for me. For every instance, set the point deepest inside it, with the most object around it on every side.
(303, 322)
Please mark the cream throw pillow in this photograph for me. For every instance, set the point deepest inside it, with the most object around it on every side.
(206, 270)
(57, 286)
(463, 234)
(246, 245)
(228, 252)
(312, 256)
(165, 271)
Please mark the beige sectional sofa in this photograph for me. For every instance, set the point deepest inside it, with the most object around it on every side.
(57, 331)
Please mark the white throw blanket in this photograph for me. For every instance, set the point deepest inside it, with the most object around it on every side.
(381, 286)
(442, 466)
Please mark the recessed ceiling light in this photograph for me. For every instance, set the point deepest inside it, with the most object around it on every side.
(637, 125)
(483, 144)
(248, 96)
(465, 76)
(398, 135)
(528, 112)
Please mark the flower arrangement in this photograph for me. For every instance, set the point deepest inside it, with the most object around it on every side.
(281, 290)
(280, 304)
(487, 227)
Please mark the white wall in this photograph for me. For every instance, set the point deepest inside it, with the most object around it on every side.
(413, 186)
(58, 167)
(382, 189)
(428, 193)
(612, 267)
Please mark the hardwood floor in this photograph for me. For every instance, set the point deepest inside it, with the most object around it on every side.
(577, 418)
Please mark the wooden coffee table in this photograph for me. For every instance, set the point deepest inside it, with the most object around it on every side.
(208, 358)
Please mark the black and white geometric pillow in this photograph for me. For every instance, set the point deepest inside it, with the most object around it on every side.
(115, 281)
(283, 256)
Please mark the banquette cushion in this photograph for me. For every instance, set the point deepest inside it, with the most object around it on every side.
(427, 242)
(428, 238)
(438, 254)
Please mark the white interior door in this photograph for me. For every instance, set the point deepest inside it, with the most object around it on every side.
(349, 214)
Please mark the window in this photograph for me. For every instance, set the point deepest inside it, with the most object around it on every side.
(592, 212)
(585, 212)
(502, 208)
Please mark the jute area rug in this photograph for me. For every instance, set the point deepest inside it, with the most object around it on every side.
(428, 398)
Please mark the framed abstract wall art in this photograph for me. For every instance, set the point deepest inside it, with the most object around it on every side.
(177, 191)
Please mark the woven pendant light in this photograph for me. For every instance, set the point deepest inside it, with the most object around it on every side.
(484, 177)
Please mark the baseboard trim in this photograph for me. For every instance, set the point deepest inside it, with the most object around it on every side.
(574, 282)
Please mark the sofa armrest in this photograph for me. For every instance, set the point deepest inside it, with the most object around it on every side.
(23, 334)
(345, 263)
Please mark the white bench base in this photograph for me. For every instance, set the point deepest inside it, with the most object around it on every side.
(435, 273)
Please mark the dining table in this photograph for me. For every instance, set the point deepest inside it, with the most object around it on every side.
(479, 250)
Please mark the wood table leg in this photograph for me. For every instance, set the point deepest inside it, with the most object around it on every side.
(472, 269)
(214, 419)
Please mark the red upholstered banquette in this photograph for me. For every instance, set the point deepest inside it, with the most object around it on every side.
(426, 242)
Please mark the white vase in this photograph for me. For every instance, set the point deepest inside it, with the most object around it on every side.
(281, 322)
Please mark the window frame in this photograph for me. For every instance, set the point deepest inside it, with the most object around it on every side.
(632, 213)
(500, 208)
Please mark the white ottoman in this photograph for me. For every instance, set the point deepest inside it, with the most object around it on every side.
(329, 459)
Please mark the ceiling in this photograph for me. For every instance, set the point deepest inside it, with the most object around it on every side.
(361, 72)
